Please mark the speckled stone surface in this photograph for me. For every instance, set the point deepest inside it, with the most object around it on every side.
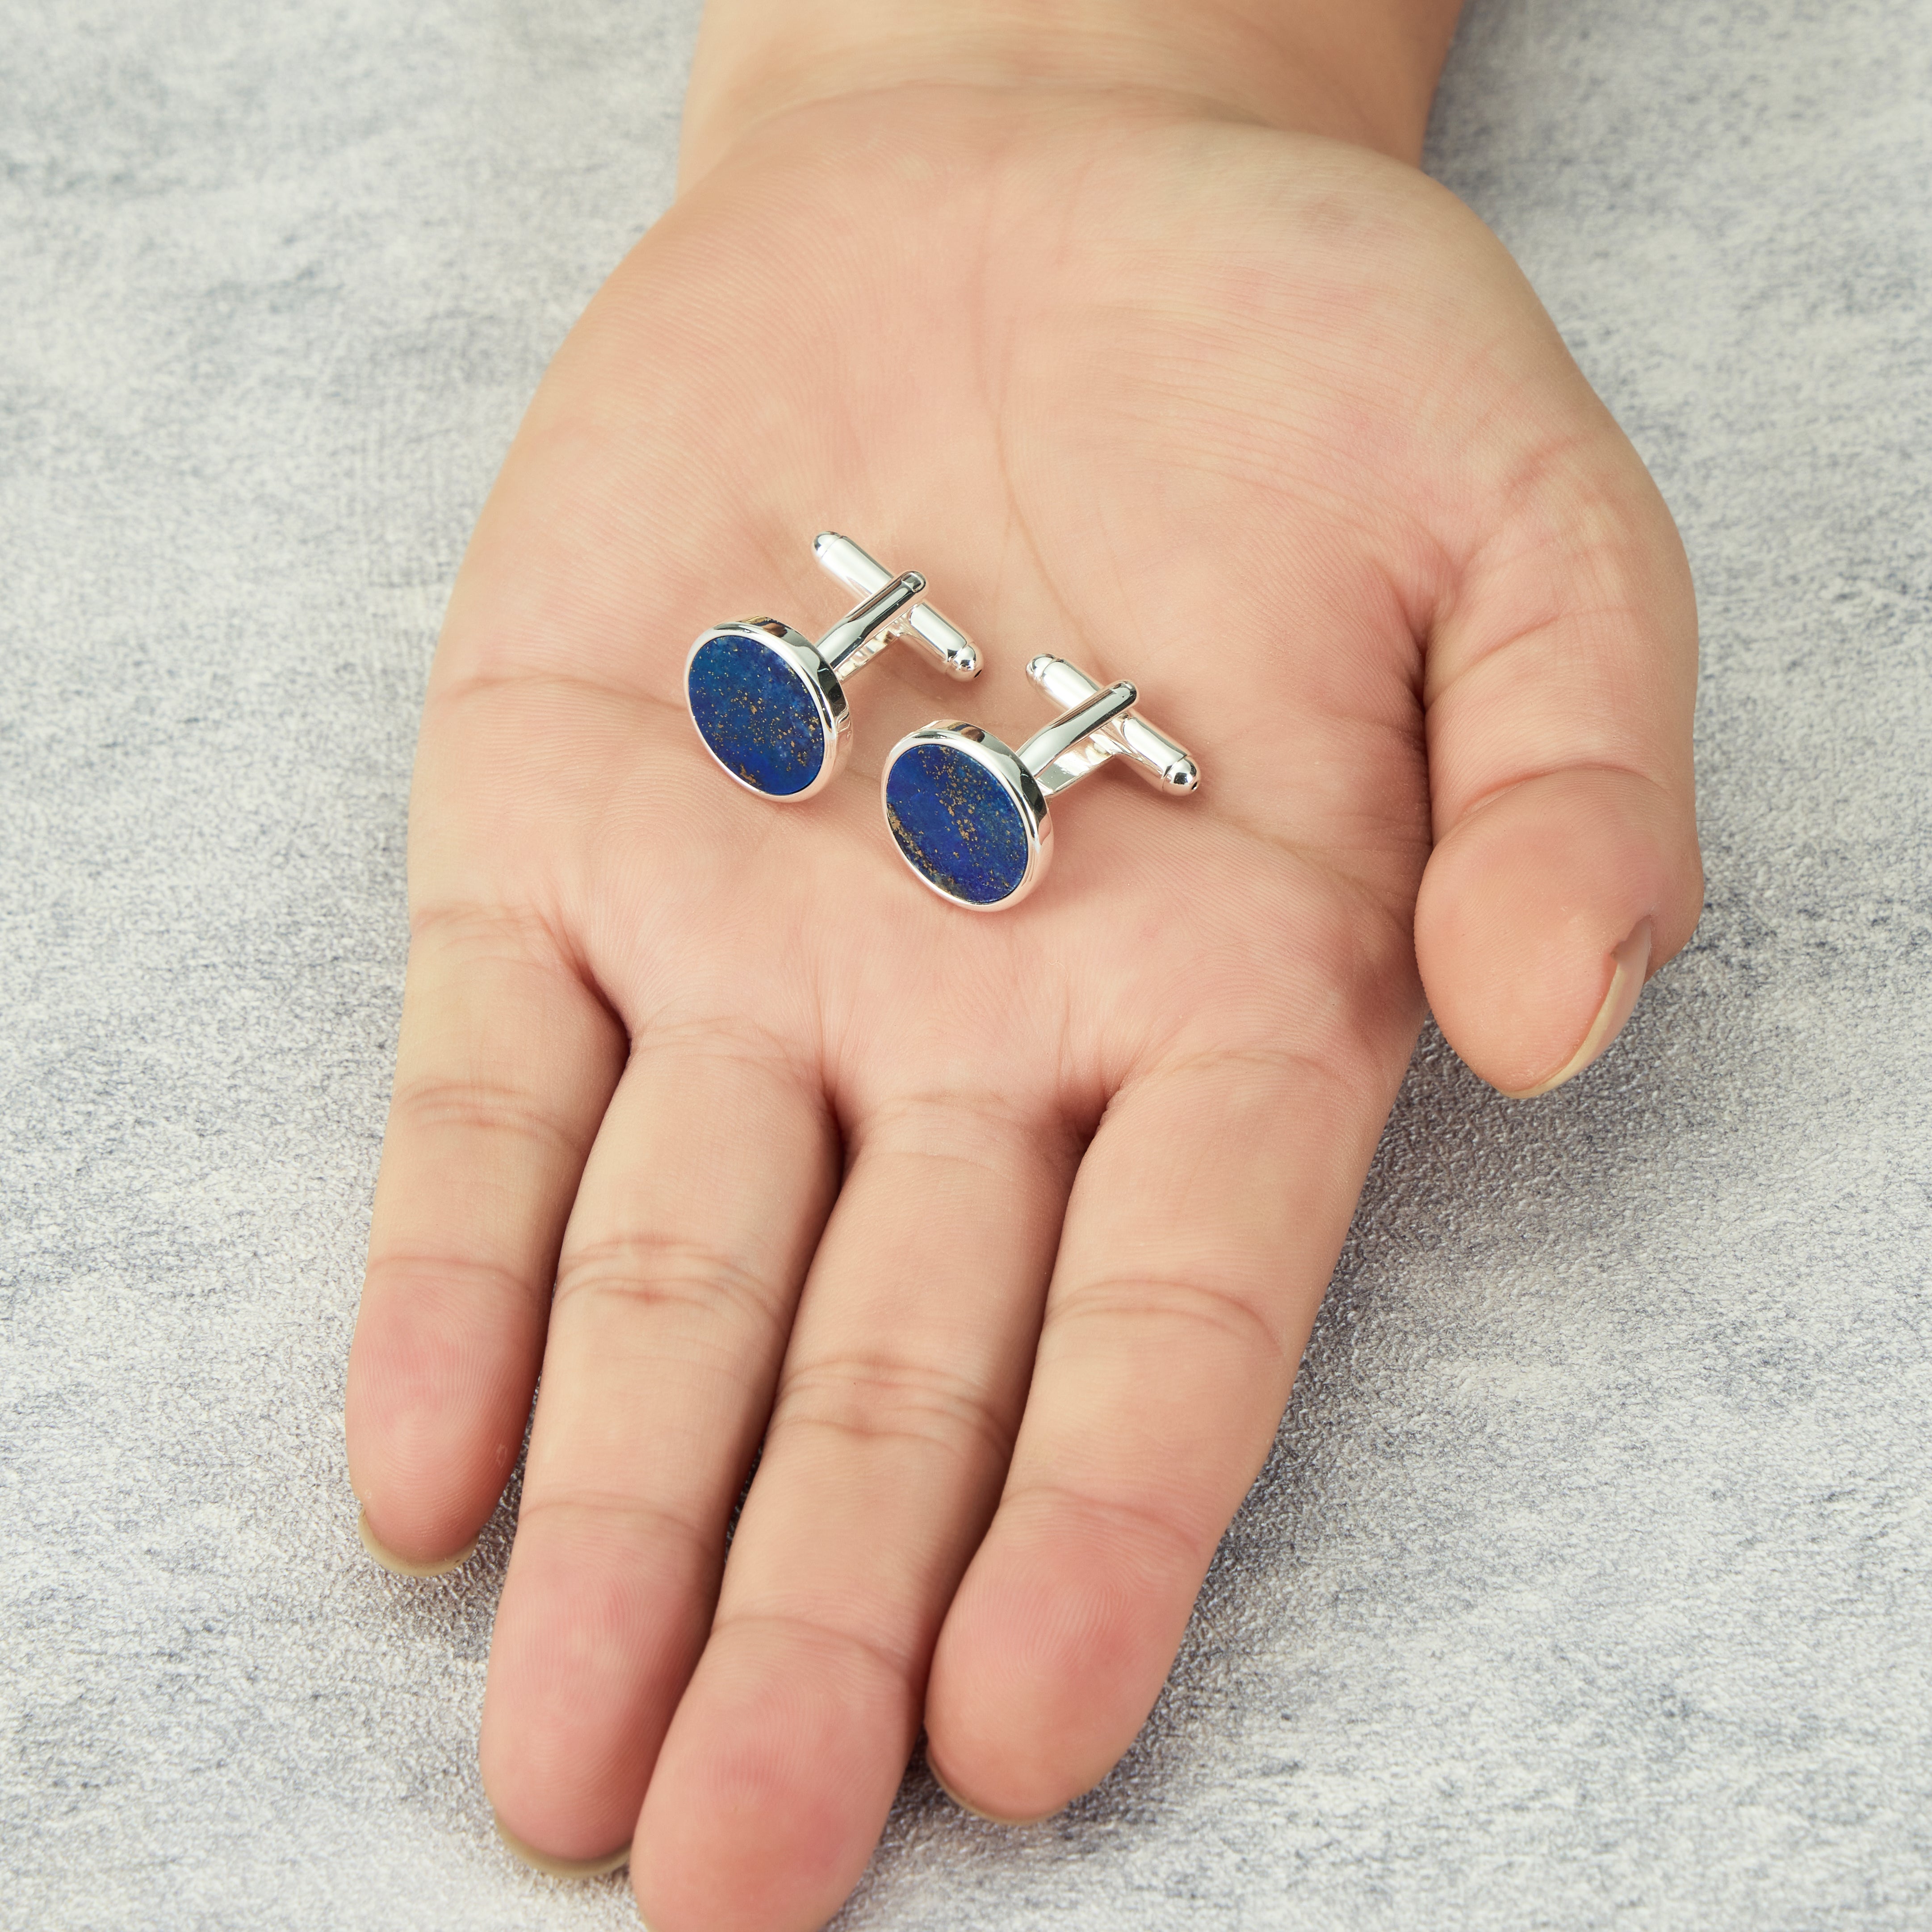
(957, 825)
(753, 709)
(1590, 1583)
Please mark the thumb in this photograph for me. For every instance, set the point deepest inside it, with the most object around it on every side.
(1559, 687)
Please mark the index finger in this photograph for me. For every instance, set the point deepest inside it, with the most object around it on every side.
(1202, 1230)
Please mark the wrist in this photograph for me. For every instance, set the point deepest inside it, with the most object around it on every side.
(1359, 70)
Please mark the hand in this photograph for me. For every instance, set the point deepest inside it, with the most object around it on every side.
(1003, 1235)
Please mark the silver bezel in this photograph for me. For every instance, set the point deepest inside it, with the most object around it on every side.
(1019, 784)
(798, 651)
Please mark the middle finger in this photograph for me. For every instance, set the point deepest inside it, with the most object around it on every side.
(895, 1418)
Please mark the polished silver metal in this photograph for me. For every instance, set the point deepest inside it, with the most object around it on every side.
(1069, 732)
(853, 642)
(922, 627)
(1099, 723)
(1151, 755)
(887, 610)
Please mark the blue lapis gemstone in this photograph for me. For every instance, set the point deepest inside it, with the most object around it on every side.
(956, 823)
(756, 713)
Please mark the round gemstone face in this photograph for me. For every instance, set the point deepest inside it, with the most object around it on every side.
(959, 828)
(756, 713)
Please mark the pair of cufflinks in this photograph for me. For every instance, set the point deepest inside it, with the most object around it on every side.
(968, 813)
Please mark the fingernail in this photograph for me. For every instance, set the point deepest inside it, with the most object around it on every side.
(964, 1805)
(1628, 964)
(401, 1565)
(553, 1867)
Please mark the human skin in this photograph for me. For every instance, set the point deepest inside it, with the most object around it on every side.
(1136, 330)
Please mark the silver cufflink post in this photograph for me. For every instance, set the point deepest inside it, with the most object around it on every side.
(1118, 732)
(769, 704)
(921, 627)
(970, 814)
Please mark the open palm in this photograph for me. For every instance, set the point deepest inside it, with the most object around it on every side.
(1001, 1234)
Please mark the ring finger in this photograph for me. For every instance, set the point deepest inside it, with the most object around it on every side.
(703, 1194)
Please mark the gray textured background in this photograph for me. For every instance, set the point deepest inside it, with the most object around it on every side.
(1590, 1582)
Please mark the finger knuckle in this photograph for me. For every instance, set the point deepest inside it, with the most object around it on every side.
(879, 1400)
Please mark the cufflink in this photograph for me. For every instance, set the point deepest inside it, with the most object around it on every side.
(769, 704)
(969, 815)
